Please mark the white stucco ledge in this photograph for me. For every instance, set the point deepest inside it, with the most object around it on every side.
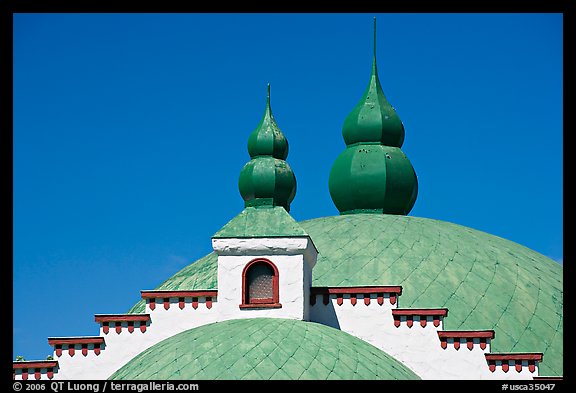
(265, 246)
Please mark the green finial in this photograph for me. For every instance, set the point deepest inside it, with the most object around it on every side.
(267, 179)
(373, 175)
(373, 119)
(374, 40)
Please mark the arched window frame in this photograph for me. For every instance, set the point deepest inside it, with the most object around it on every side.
(275, 303)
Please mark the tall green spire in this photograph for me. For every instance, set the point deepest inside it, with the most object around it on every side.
(267, 179)
(373, 175)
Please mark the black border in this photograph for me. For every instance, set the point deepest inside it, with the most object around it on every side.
(9, 7)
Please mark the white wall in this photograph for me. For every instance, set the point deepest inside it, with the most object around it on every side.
(293, 257)
(417, 347)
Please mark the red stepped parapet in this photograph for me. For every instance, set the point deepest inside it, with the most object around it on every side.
(164, 297)
(85, 344)
(470, 337)
(517, 361)
(381, 292)
(34, 368)
(423, 315)
(130, 320)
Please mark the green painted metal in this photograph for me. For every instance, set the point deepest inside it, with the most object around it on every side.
(270, 221)
(487, 282)
(263, 349)
(267, 179)
(373, 175)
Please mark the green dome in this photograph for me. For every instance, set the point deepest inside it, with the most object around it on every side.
(486, 281)
(263, 349)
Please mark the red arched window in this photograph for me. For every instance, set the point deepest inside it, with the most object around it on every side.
(260, 285)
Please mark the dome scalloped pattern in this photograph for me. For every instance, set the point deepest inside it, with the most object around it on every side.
(487, 282)
(263, 349)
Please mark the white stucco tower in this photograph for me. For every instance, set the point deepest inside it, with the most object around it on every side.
(265, 258)
(266, 276)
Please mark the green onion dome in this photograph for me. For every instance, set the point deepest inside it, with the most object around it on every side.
(373, 175)
(267, 179)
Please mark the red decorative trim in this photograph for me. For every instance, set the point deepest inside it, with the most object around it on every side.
(97, 349)
(535, 356)
(194, 303)
(423, 320)
(353, 292)
(181, 303)
(261, 305)
(469, 335)
(75, 340)
(152, 303)
(517, 358)
(58, 350)
(443, 343)
(34, 367)
(409, 321)
(142, 327)
(168, 294)
(395, 289)
(35, 364)
(166, 303)
(102, 318)
(209, 302)
(84, 349)
(105, 320)
(435, 312)
(274, 302)
(466, 333)
(71, 349)
(397, 322)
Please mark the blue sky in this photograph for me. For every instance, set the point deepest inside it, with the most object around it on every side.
(130, 132)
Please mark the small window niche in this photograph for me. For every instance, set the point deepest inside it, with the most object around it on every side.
(260, 285)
